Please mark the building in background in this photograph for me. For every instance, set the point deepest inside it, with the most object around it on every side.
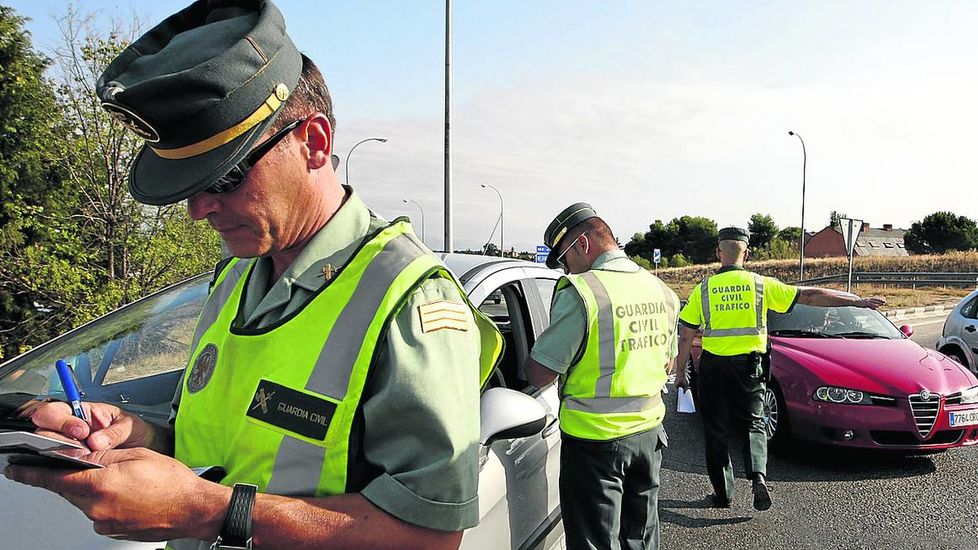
(883, 241)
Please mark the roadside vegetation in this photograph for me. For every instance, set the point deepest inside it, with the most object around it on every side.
(683, 279)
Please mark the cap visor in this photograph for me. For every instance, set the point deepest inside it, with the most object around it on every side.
(552, 258)
(158, 181)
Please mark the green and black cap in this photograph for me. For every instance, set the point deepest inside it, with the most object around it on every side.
(201, 88)
(568, 218)
(733, 234)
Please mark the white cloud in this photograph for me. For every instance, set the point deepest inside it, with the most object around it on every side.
(884, 149)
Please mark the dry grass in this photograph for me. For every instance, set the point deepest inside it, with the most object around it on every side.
(683, 279)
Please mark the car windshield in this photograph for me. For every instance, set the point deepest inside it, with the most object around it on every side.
(831, 322)
(131, 357)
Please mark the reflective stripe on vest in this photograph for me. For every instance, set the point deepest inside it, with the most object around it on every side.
(615, 387)
(755, 330)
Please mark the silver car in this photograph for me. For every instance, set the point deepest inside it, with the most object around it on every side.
(133, 357)
(959, 338)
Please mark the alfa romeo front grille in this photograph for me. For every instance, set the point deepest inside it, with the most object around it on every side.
(925, 412)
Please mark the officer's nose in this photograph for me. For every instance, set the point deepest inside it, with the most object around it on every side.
(203, 204)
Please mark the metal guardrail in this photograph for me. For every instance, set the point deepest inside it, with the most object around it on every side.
(900, 278)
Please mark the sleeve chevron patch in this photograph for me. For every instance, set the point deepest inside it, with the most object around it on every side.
(444, 314)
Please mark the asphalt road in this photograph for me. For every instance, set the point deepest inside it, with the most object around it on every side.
(824, 498)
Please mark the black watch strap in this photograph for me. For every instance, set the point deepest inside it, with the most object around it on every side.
(236, 532)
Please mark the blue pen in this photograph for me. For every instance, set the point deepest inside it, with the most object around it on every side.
(71, 390)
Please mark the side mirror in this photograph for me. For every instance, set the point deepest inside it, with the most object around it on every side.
(509, 414)
(907, 330)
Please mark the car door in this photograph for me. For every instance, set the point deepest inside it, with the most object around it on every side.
(518, 496)
(969, 324)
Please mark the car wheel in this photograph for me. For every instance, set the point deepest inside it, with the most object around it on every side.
(775, 415)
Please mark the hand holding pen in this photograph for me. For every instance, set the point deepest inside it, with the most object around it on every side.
(71, 389)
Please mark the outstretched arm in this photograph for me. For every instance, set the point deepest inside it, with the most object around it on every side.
(824, 297)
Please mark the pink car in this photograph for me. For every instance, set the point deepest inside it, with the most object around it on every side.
(848, 377)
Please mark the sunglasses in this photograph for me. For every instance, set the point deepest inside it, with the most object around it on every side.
(560, 259)
(237, 174)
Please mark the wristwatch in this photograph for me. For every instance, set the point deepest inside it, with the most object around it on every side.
(236, 532)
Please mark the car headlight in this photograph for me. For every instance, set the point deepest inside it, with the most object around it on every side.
(969, 395)
(844, 396)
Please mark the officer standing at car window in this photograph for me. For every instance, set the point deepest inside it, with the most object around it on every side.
(731, 307)
(611, 340)
(336, 366)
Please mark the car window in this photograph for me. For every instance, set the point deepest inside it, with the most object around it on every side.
(971, 309)
(809, 321)
(507, 307)
(546, 288)
(132, 357)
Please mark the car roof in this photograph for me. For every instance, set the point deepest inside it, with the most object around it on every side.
(466, 266)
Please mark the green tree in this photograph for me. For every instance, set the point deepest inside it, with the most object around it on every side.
(694, 237)
(941, 232)
(790, 235)
(31, 180)
(660, 235)
(76, 244)
(678, 260)
(834, 218)
(643, 263)
(762, 231)
(698, 238)
(135, 248)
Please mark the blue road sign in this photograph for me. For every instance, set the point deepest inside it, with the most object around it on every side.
(656, 255)
(542, 252)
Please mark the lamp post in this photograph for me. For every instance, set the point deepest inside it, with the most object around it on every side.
(484, 186)
(801, 248)
(422, 215)
(380, 139)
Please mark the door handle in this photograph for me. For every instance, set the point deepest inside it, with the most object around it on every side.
(970, 328)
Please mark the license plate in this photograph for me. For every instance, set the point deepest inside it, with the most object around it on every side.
(967, 418)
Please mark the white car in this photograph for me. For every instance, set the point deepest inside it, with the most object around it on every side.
(133, 357)
(959, 339)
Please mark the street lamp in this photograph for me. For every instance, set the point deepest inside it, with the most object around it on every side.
(422, 215)
(804, 164)
(380, 139)
(484, 186)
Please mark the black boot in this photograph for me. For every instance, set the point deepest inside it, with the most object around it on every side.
(762, 497)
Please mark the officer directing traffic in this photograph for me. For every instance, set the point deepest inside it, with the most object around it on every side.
(336, 366)
(731, 308)
(611, 340)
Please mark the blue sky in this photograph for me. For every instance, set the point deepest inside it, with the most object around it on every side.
(648, 110)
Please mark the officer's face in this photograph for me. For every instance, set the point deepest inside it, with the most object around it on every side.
(571, 260)
(264, 215)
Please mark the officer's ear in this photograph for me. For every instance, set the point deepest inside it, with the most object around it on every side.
(746, 253)
(318, 141)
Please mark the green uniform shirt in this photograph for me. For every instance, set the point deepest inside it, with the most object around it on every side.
(562, 344)
(412, 457)
(777, 296)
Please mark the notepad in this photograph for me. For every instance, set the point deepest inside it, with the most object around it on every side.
(31, 449)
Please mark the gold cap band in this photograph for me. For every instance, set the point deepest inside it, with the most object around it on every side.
(264, 111)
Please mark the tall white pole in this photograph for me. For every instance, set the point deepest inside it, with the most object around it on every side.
(449, 240)
(801, 247)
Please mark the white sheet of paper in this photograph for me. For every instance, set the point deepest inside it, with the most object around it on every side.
(684, 401)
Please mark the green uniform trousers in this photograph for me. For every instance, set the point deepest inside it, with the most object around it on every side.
(609, 491)
(730, 397)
